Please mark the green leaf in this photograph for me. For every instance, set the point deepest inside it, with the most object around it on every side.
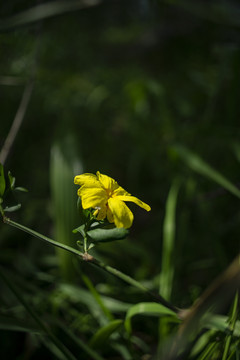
(80, 229)
(220, 323)
(149, 309)
(2, 181)
(107, 234)
(102, 335)
(97, 297)
(12, 208)
(20, 188)
(169, 225)
(197, 164)
(12, 180)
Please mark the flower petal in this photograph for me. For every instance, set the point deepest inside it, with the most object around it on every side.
(92, 197)
(135, 200)
(110, 215)
(87, 179)
(107, 182)
(122, 215)
(120, 192)
(102, 212)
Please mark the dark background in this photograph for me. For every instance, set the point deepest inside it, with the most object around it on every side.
(116, 86)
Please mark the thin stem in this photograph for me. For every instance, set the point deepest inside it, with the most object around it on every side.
(42, 237)
(133, 282)
(90, 259)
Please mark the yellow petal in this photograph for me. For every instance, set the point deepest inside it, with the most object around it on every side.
(135, 200)
(122, 215)
(102, 212)
(120, 192)
(107, 182)
(87, 179)
(110, 215)
(92, 197)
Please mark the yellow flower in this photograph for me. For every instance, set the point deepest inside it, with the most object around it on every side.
(103, 194)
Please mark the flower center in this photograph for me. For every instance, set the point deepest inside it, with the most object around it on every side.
(109, 193)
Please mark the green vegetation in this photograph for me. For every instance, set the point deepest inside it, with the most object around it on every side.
(146, 92)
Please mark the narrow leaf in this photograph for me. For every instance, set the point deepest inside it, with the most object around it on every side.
(12, 208)
(167, 272)
(149, 309)
(197, 164)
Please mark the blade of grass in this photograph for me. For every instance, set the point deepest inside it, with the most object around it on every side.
(150, 309)
(169, 226)
(97, 297)
(197, 164)
(63, 165)
(167, 270)
(232, 323)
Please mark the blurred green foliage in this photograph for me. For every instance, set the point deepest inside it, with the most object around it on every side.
(127, 81)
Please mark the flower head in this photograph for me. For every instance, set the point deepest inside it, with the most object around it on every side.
(103, 194)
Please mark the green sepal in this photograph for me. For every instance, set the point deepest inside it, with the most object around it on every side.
(109, 233)
(2, 181)
(12, 208)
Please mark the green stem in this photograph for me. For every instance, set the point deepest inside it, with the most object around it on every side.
(135, 283)
(42, 237)
(86, 257)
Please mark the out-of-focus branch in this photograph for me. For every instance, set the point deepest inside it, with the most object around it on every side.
(44, 11)
(16, 122)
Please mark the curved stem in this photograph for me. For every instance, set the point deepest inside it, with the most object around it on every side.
(90, 259)
(8, 221)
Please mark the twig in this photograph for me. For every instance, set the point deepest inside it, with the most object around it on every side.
(16, 122)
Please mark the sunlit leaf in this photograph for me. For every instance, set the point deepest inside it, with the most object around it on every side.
(148, 309)
(107, 234)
